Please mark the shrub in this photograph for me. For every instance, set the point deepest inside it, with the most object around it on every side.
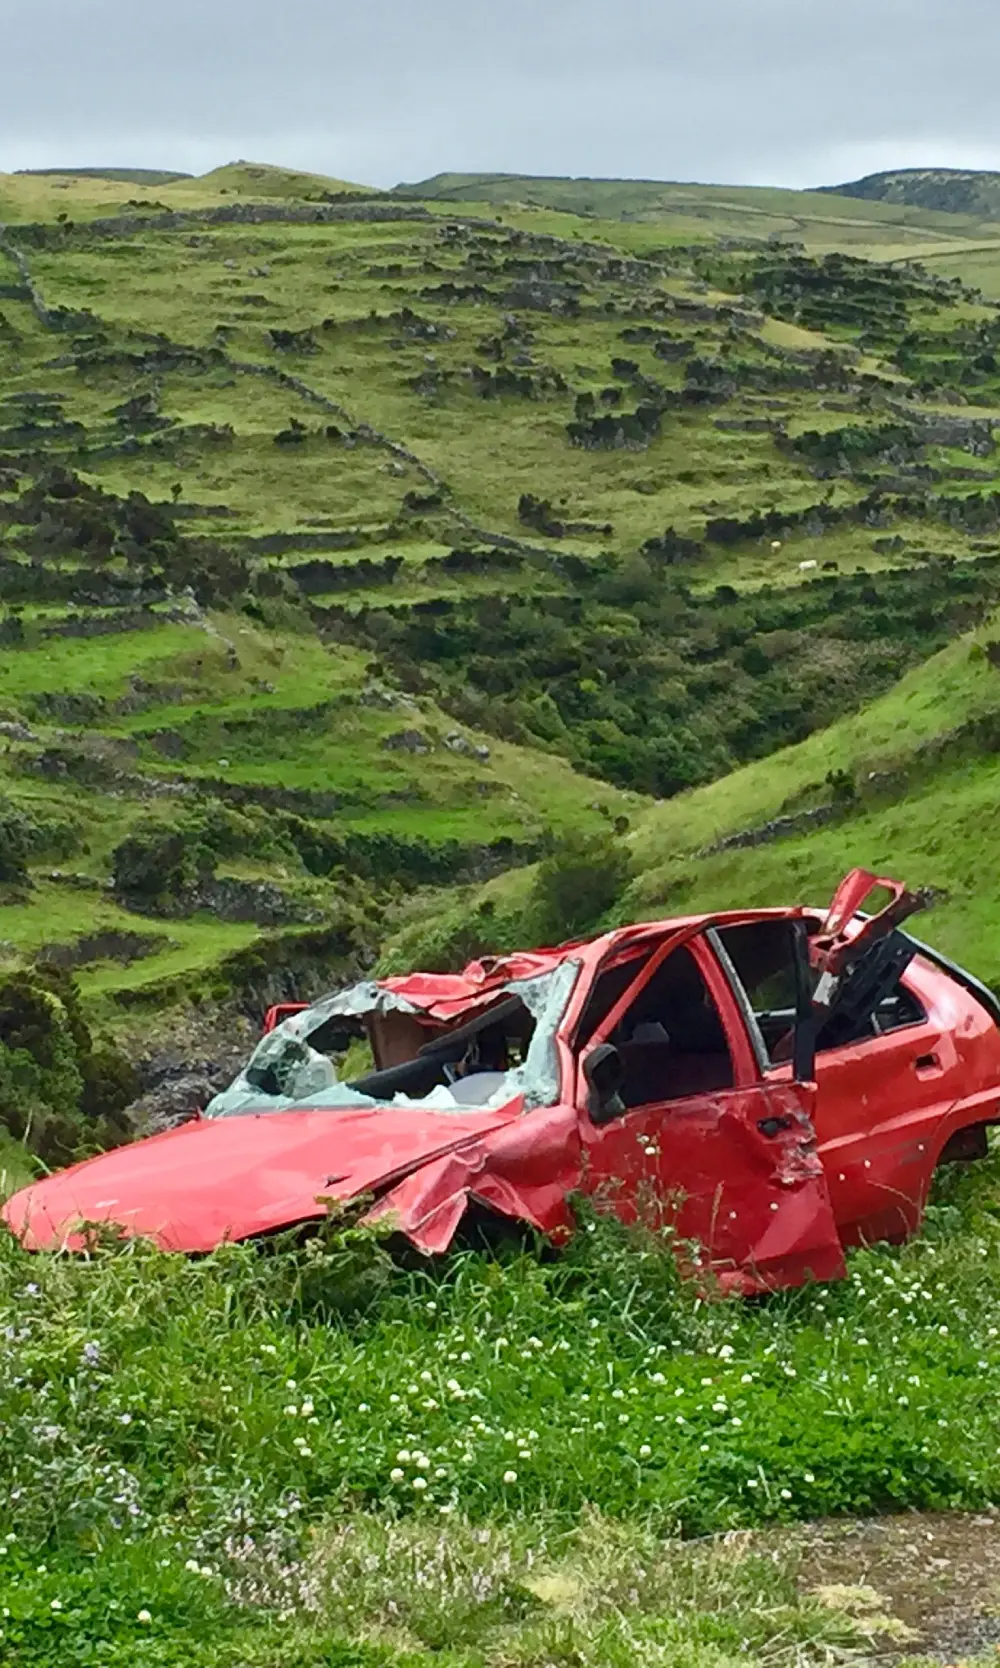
(58, 1093)
(576, 886)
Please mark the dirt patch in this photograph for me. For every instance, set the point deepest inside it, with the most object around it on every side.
(937, 1574)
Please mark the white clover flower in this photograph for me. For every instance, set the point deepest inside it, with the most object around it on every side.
(192, 1566)
(363, 1407)
(403, 1456)
(726, 1352)
(144, 1617)
(396, 1475)
(808, 1477)
(747, 1378)
(510, 1476)
(736, 1422)
(419, 1483)
(645, 1451)
(56, 1604)
(426, 1377)
(753, 1482)
(786, 1494)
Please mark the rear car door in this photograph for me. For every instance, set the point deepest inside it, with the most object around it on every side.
(701, 1137)
(886, 1078)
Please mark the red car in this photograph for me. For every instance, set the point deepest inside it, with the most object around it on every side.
(784, 1082)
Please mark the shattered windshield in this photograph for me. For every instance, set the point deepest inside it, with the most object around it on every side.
(367, 1047)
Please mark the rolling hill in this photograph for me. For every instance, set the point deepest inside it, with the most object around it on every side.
(354, 545)
(966, 191)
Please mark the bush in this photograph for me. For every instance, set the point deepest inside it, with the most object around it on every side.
(159, 864)
(17, 837)
(58, 1093)
(576, 886)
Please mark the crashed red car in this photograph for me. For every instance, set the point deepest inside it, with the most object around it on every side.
(785, 1081)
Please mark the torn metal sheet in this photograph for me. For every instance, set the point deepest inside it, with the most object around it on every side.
(773, 1086)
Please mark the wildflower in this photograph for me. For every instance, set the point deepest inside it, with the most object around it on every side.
(403, 1456)
(752, 1482)
(645, 1451)
(510, 1476)
(92, 1354)
(419, 1483)
(396, 1475)
(808, 1477)
(56, 1604)
(144, 1617)
(726, 1352)
(786, 1494)
(307, 1408)
(124, 1418)
(292, 1411)
(193, 1566)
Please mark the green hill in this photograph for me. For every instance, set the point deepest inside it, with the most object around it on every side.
(133, 176)
(261, 179)
(356, 547)
(966, 191)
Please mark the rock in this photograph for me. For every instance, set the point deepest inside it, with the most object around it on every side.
(407, 741)
(457, 743)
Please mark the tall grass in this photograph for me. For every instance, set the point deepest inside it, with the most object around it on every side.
(260, 1415)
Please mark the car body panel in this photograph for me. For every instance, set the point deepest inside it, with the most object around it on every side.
(764, 1177)
(192, 1188)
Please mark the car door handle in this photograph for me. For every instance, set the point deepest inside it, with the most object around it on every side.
(927, 1063)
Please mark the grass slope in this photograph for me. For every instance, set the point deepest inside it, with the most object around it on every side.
(457, 534)
(948, 190)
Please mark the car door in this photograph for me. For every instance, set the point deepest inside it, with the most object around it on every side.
(702, 1138)
(885, 1076)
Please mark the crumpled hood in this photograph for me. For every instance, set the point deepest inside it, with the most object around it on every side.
(194, 1187)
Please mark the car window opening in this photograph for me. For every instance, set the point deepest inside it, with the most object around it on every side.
(672, 1039)
(365, 1048)
(762, 956)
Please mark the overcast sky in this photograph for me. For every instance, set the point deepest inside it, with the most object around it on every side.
(786, 92)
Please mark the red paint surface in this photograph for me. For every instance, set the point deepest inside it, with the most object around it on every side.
(846, 1159)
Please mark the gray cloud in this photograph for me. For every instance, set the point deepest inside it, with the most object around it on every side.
(788, 92)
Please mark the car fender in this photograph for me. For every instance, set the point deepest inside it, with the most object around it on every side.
(526, 1171)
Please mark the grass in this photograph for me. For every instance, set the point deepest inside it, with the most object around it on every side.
(529, 1436)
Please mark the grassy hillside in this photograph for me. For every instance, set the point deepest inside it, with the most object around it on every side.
(369, 572)
(948, 190)
(355, 547)
(135, 176)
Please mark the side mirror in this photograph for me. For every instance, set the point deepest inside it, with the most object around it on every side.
(604, 1070)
